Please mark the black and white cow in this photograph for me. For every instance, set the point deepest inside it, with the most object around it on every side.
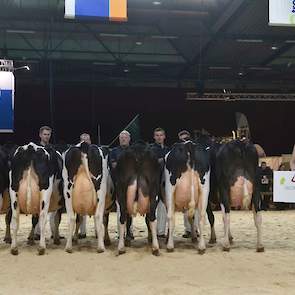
(31, 176)
(137, 187)
(236, 170)
(57, 205)
(187, 182)
(85, 177)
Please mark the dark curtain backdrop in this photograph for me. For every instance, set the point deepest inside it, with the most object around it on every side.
(79, 108)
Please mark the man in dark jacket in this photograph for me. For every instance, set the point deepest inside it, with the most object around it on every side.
(161, 150)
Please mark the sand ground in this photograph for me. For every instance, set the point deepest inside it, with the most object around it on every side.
(241, 271)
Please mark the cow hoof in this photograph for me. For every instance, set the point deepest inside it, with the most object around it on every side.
(14, 251)
(128, 243)
(75, 241)
(202, 251)
(121, 251)
(56, 241)
(170, 250)
(7, 240)
(260, 249)
(194, 240)
(212, 241)
(69, 250)
(31, 242)
(100, 250)
(41, 251)
(226, 249)
(156, 252)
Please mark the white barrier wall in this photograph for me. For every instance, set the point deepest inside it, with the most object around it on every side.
(284, 186)
(282, 12)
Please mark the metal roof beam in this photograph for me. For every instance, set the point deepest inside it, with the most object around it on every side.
(224, 20)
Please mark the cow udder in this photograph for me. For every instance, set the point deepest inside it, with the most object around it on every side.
(241, 193)
(29, 204)
(183, 190)
(84, 198)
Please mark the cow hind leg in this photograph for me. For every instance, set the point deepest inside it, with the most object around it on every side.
(79, 219)
(147, 222)
(44, 206)
(107, 240)
(153, 226)
(31, 239)
(226, 221)
(56, 221)
(194, 230)
(8, 216)
(211, 221)
(258, 219)
(14, 222)
(129, 235)
(201, 220)
(122, 227)
(100, 226)
(170, 189)
(71, 224)
(258, 223)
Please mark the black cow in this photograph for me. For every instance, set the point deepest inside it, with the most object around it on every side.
(212, 147)
(187, 185)
(32, 173)
(236, 169)
(137, 187)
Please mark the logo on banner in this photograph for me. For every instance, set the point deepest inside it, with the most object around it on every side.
(292, 15)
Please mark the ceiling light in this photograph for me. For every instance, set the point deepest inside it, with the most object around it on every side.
(157, 2)
(250, 40)
(147, 65)
(20, 31)
(274, 48)
(219, 68)
(97, 63)
(290, 41)
(163, 37)
(260, 68)
(113, 35)
(138, 43)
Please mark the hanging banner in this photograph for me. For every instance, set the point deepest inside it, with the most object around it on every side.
(282, 12)
(114, 10)
(284, 186)
(6, 101)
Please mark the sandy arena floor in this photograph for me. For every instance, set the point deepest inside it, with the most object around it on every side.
(241, 271)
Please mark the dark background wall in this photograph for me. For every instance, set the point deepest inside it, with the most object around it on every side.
(79, 108)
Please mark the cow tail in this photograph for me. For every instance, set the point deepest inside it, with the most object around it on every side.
(86, 167)
(192, 203)
(29, 191)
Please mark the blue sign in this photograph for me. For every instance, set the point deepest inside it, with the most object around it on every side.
(6, 101)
